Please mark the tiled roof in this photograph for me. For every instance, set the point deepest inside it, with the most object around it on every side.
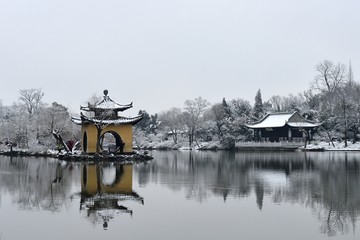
(273, 120)
(106, 104)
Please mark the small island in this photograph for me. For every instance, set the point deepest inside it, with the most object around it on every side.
(105, 134)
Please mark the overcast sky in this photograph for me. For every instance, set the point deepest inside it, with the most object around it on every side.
(158, 53)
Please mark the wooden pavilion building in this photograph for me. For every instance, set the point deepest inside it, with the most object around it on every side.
(275, 127)
(103, 130)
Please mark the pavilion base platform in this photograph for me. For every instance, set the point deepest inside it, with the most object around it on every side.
(122, 158)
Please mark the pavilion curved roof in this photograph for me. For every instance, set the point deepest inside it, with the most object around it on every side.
(106, 104)
(274, 120)
(119, 121)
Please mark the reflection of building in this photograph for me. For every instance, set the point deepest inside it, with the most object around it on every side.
(101, 199)
(282, 126)
(106, 131)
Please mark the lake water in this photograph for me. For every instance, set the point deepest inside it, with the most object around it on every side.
(184, 195)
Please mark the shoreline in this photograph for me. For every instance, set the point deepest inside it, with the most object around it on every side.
(253, 146)
(74, 157)
(143, 157)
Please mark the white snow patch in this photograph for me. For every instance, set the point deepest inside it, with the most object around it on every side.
(339, 146)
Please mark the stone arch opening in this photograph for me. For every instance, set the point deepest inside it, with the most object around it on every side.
(85, 143)
(111, 141)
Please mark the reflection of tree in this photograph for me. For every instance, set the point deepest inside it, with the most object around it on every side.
(30, 183)
(222, 173)
(341, 196)
(325, 182)
(40, 184)
(259, 191)
(102, 201)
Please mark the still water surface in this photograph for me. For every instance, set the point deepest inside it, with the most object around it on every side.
(184, 195)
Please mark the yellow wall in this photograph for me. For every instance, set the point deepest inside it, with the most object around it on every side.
(91, 133)
(125, 132)
(91, 184)
(125, 183)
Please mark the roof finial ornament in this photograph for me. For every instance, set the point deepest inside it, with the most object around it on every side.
(106, 92)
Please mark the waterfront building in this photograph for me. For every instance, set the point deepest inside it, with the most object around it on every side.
(275, 127)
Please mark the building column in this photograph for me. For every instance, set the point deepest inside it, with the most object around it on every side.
(289, 134)
(260, 135)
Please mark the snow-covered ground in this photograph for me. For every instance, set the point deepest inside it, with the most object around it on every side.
(339, 146)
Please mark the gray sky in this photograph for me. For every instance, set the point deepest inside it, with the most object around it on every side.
(158, 53)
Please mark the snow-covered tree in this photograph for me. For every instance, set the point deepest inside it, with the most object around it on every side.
(234, 128)
(337, 105)
(330, 76)
(345, 108)
(240, 108)
(226, 108)
(276, 103)
(19, 126)
(192, 114)
(219, 115)
(32, 99)
(258, 110)
(149, 123)
(170, 121)
(56, 117)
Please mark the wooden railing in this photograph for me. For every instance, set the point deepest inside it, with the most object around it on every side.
(270, 144)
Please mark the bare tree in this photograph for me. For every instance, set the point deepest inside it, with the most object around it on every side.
(276, 103)
(171, 120)
(334, 86)
(31, 98)
(194, 110)
(330, 76)
(344, 108)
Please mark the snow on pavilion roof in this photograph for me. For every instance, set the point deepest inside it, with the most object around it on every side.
(273, 120)
(106, 104)
(303, 124)
(122, 120)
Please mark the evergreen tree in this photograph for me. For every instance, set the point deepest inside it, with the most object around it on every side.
(145, 122)
(149, 123)
(226, 108)
(258, 109)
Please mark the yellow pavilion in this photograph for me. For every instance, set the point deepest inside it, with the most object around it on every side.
(103, 130)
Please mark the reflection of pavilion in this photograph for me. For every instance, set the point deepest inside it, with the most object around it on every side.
(102, 199)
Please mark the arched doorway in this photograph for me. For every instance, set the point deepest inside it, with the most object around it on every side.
(85, 142)
(111, 141)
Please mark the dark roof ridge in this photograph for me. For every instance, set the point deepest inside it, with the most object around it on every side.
(279, 113)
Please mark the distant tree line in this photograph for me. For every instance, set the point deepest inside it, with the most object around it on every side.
(333, 99)
(29, 122)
